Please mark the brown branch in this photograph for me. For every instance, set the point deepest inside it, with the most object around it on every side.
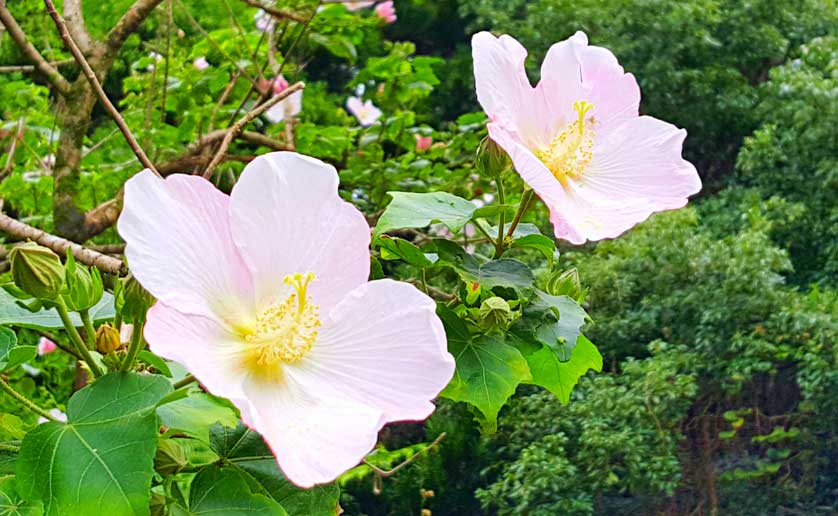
(129, 23)
(32, 68)
(10, 156)
(94, 82)
(43, 66)
(246, 119)
(60, 245)
(388, 473)
(276, 12)
(75, 23)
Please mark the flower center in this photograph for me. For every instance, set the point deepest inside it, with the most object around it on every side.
(571, 151)
(283, 332)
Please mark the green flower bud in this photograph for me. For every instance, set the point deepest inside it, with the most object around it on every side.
(107, 339)
(170, 457)
(495, 313)
(136, 301)
(37, 270)
(491, 160)
(84, 285)
(567, 283)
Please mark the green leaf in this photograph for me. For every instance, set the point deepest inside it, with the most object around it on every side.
(156, 362)
(194, 414)
(11, 426)
(555, 321)
(12, 355)
(244, 450)
(11, 503)
(394, 248)
(541, 243)
(14, 314)
(101, 461)
(488, 370)
(224, 492)
(338, 45)
(496, 273)
(417, 210)
(561, 377)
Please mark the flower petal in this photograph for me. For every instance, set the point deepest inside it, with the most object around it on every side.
(290, 106)
(383, 346)
(205, 347)
(641, 158)
(313, 439)
(287, 217)
(179, 246)
(504, 90)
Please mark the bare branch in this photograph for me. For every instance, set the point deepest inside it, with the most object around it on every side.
(75, 23)
(276, 12)
(32, 68)
(388, 473)
(86, 256)
(47, 70)
(246, 119)
(94, 82)
(129, 23)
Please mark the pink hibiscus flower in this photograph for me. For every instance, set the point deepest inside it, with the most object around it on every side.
(577, 138)
(263, 296)
(366, 112)
(386, 11)
(46, 346)
(423, 143)
(289, 107)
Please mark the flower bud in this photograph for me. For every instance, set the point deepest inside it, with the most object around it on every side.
(136, 300)
(84, 285)
(170, 457)
(37, 270)
(495, 313)
(107, 339)
(567, 283)
(491, 160)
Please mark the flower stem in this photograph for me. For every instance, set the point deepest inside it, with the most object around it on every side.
(501, 217)
(526, 201)
(134, 347)
(4, 385)
(186, 380)
(89, 331)
(75, 338)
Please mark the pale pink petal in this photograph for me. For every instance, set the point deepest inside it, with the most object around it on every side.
(313, 439)
(287, 218)
(205, 347)
(641, 158)
(370, 115)
(354, 105)
(287, 108)
(384, 347)
(179, 245)
(504, 90)
(354, 6)
(46, 346)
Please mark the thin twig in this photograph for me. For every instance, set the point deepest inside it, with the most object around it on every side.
(10, 156)
(186, 380)
(246, 119)
(130, 22)
(32, 68)
(388, 473)
(276, 12)
(47, 70)
(61, 246)
(94, 82)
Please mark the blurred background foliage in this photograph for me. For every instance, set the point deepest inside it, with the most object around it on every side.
(718, 322)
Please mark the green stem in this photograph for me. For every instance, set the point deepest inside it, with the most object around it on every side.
(75, 338)
(526, 201)
(4, 385)
(134, 347)
(89, 331)
(9, 447)
(501, 218)
(186, 380)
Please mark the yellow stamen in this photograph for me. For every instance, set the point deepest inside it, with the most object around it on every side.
(571, 151)
(283, 332)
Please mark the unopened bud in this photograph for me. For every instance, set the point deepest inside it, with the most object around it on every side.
(107, 339)
(37, 270)
(495, 313)
(567, 283)
(136, 301)
(491, 160)
(84, 285)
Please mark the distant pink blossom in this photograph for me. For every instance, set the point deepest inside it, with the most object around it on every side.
(264, 21)
(366, 112)
(386, 11)
(423, 143)
(577, 138)
(280, 317)
(45, 346)
(201, 63)
(287, 108)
